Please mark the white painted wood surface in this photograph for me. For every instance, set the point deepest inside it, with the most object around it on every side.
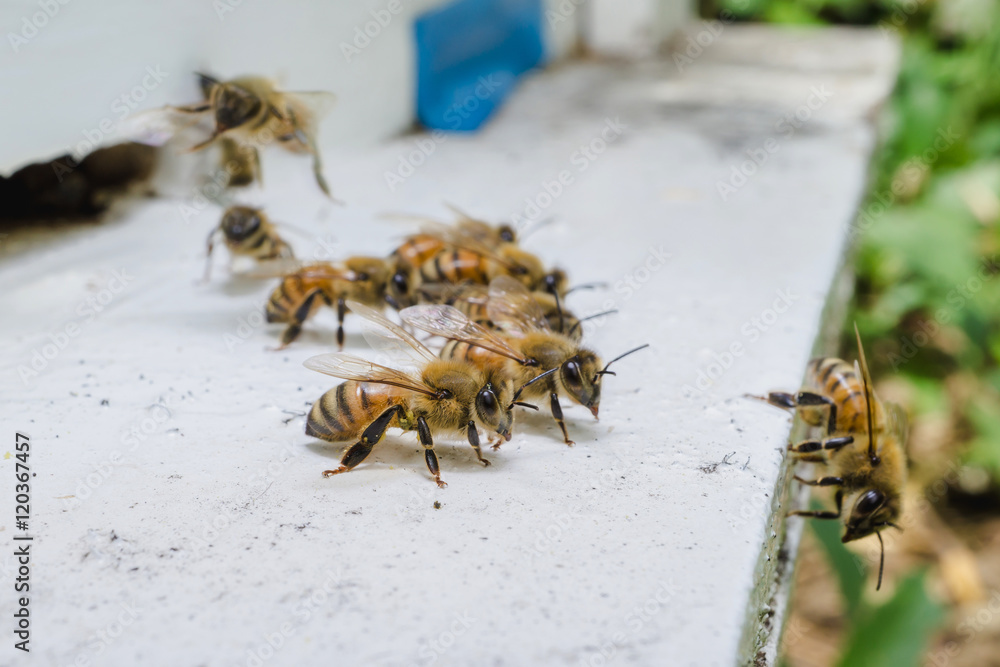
(187, 520)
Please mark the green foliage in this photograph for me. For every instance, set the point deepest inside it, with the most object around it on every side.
(850, 575)
(896, 632)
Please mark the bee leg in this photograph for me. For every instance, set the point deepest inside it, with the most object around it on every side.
(823, 514)
(370, 437)
(208, 255)
(822, 481)
(474, 441)
(341, 311)
(830, 444)
(785, 400)
(558, 415)
(294, 327)
(424, 433)
(808, 398)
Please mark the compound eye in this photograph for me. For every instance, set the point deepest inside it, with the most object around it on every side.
(400, 283)
(869, 502)
(488, 401)
(571, 373)
(506, 234)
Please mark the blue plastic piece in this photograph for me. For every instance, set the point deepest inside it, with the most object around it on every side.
(469, 56)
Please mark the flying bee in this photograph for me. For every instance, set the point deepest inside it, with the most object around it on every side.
(442, 395)
(306, 289)
(863, 445)
(247, 232)
(528, 351)
(251, 112)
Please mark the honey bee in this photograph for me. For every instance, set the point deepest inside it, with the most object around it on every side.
(863, 445)
(471, 252)
(247, 232)
(251, 112)
(442, 395)
(528, 351)
(305, 290)
(471, 300)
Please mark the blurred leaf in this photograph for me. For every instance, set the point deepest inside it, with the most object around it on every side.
(849, 571)
(984, 450)
(895, 633)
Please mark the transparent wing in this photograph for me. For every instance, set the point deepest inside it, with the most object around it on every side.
(349, 367)
(157, 127)
(449, 322)
(310, 105)
(283, 266)
(513, 308)
(397, 346)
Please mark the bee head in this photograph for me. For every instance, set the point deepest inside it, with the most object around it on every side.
(240, 222)
(580, 376)
(873, 510)
(398, 293)
(493, 405)
(234, 106)
(371, 272)
(555, 282)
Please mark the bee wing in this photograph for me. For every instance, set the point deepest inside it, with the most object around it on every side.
(451, 323)
(349, 367)
(156, 127)
(283, 266)
(390, 339)
(512, 307)
(311, 105)
(897, 421)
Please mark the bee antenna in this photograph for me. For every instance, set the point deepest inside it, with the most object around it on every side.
(881, 559)
(605, 371)
(517, 394)
(601, 285)
(590, 317)
(866, 381)
(559, 310)
(534, 228)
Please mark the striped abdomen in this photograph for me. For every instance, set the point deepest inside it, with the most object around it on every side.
(346, 410)
(479, 357)
(417, 249)
(288, 296)
(836, 379)
(262, 244)
(456, 265)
